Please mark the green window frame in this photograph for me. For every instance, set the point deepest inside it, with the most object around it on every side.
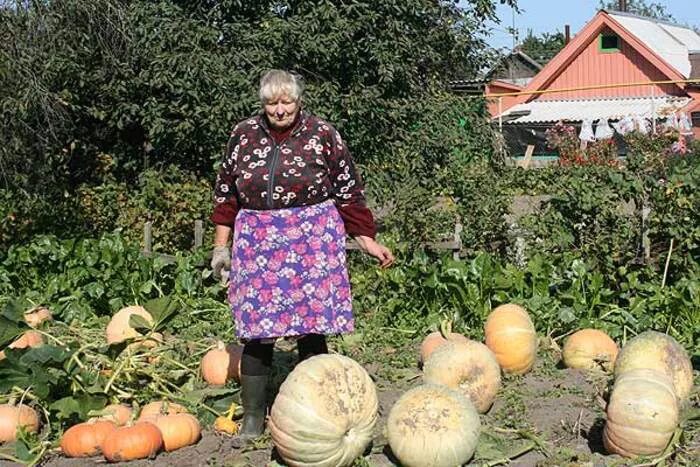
(609, 43)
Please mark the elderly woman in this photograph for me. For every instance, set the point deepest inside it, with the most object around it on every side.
(289, 191)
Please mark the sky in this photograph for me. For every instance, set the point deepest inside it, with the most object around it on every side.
(551, 15)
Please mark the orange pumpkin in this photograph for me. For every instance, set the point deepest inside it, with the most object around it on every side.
(12, 417)
(137, 441)
(119, 329)
(28, 339)
(661, 352)
(642, 414)
(590, 349)
(117, 413)
(85, 439)
(178, 430)
(511, 336)
(161, 408)
(222, 364)
(36, 316)
(225, 423)
(468, 367)
(436, 339)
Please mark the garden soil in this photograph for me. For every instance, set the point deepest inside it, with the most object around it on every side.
(550, 417)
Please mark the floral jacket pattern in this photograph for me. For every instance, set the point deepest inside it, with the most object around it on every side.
(310, 166)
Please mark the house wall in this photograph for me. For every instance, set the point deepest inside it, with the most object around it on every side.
(593, 67)
(508, 101)
(514, 68)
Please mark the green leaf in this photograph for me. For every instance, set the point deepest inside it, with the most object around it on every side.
(80, 406)
(12, 375)
(9, 330)
(567, 315)
(39, 368)
(490, 447)
(22, 450)
(14, 310)
(45, 354)
(162, 309)
(140, 324)
(197, 396)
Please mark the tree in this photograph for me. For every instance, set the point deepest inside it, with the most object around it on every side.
(84, 83)
(544, 47)
(640, 7)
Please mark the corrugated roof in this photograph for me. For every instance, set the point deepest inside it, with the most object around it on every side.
(544, 111)
(670, 42)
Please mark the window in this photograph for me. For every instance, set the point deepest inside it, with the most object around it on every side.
(609, 43)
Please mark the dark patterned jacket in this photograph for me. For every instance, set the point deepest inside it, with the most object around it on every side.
(310, 166)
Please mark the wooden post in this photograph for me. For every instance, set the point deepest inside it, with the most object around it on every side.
(525, 163)
(458, 240)
(646, 244)
(148, 238)
(198, 233)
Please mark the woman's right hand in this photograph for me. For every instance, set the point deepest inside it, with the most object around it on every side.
(220, 259)
(379, 251)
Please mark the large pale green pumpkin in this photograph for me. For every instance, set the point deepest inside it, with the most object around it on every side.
(432, 425)
(661, 352)
(642, 413)
(468, 367)
(325, 412)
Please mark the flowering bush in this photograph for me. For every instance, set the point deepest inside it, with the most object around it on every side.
(651, 153)
(564, 139)
(646, 152)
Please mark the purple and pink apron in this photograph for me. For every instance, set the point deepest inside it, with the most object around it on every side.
(288, 273)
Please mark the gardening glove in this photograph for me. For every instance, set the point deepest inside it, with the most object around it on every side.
(220, 259)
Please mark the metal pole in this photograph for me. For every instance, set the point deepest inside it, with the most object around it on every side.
(653, 110)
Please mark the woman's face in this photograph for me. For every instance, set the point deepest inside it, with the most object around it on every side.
(281, 111)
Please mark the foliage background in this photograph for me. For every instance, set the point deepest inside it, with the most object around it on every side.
(93, 95)
(116, 112)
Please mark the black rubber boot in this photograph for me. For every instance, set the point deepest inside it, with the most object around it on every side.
(253, 399)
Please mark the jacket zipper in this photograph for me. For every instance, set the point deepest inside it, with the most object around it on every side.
(271, 175)
(274, 162)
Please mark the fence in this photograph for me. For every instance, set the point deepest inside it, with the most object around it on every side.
(454, 244)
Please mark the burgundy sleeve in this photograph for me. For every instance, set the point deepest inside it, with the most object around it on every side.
(358, 220)
(348, 190)
(225, 200)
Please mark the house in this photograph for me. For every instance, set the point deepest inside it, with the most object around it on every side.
(511, 73)
(618, 65)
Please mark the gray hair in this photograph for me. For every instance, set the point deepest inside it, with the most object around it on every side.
(277, 83)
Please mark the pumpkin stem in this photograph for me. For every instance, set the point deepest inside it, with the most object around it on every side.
(446, 328)
(220, 345)
(231, 411)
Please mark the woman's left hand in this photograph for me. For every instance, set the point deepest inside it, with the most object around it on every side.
(379, 251)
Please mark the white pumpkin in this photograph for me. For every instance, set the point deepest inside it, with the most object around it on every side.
(661, 352)
(324, 413)
(434, 426)
(468, 367)
(642, 413)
